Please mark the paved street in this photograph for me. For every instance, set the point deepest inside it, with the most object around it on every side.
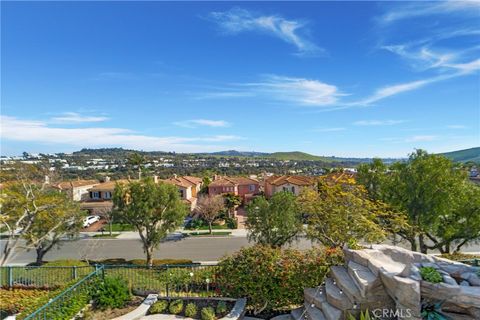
(197, 249)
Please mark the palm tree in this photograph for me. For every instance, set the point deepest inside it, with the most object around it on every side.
(138, 160)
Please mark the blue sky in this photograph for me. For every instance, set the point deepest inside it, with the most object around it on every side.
(328, 78)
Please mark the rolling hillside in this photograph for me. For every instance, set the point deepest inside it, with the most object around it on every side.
(296, 155)
(466, 155)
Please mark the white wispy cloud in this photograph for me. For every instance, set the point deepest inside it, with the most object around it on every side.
(456, 126)
(73, 117)
(334, 129)
(396, 89)
(378, 122)
(202, 122)
(422, 138)
(423, 8)
(16, 129)
(291, 90)
(301, 91)
(239, 20)
(429, 53)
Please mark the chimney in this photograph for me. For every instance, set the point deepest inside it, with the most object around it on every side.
(155, 178)
(175, 176)
(215, 177)
(47, 180)
(107, 179)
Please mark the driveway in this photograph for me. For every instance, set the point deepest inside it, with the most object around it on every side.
(95, 226)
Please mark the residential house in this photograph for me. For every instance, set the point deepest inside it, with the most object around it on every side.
(293, 184)
(78, 189)
(244, 187)
(188, 187)
(100, 197)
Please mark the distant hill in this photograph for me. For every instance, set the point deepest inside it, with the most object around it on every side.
(235, 153)
(296, 155)
(466, 155)
(472, 154)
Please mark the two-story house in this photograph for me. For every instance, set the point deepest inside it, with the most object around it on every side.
(293, 184)
(188, 187)
(100, 197)
(244, 187)
(77, 189)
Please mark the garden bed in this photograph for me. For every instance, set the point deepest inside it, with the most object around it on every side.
(199, 308)
(13, 301)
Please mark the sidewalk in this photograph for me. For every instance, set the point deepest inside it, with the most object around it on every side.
(242, 233)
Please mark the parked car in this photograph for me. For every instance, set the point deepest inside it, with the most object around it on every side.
(88, 221)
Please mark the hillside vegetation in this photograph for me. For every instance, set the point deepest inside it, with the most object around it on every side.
(466, 155)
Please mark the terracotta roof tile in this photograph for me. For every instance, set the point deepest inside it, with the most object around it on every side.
(296, 180)
(75, 183)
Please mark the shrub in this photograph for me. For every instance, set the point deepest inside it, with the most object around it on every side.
(221, 308)
(272, 278)
(231, 223)
(158, 307)
(431, 274)
(111, 293)
(208, 313)
(191, 310)
(176, 306)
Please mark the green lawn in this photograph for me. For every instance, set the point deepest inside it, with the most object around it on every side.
(116, 227)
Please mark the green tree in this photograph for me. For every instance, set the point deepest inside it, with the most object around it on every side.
(461, 225)
(154, 209)
(231, 202)
(274, 222)
(209, 208)
(372, 176)
(40, 215)
(341, 213)
(429, 188)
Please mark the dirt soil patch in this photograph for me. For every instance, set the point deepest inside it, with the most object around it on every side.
(93, 314)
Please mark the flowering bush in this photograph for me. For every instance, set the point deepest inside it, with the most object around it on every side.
(272, 278)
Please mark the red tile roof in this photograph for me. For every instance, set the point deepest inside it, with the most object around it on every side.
(296, 180)
(232, 181)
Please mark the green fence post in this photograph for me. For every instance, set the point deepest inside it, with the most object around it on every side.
(10, 276)
(168, 279)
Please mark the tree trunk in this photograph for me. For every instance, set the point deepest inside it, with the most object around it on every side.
(139, 173)
(110, 226)
(413, 244)
(40, 254)
(149, 252)
(210, 227)
(423, 246)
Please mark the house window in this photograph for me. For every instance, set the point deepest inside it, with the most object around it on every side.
(181, 193)
(95, 195)
(107, 195)
(285, 189)
(293, 189)
(251, 187)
